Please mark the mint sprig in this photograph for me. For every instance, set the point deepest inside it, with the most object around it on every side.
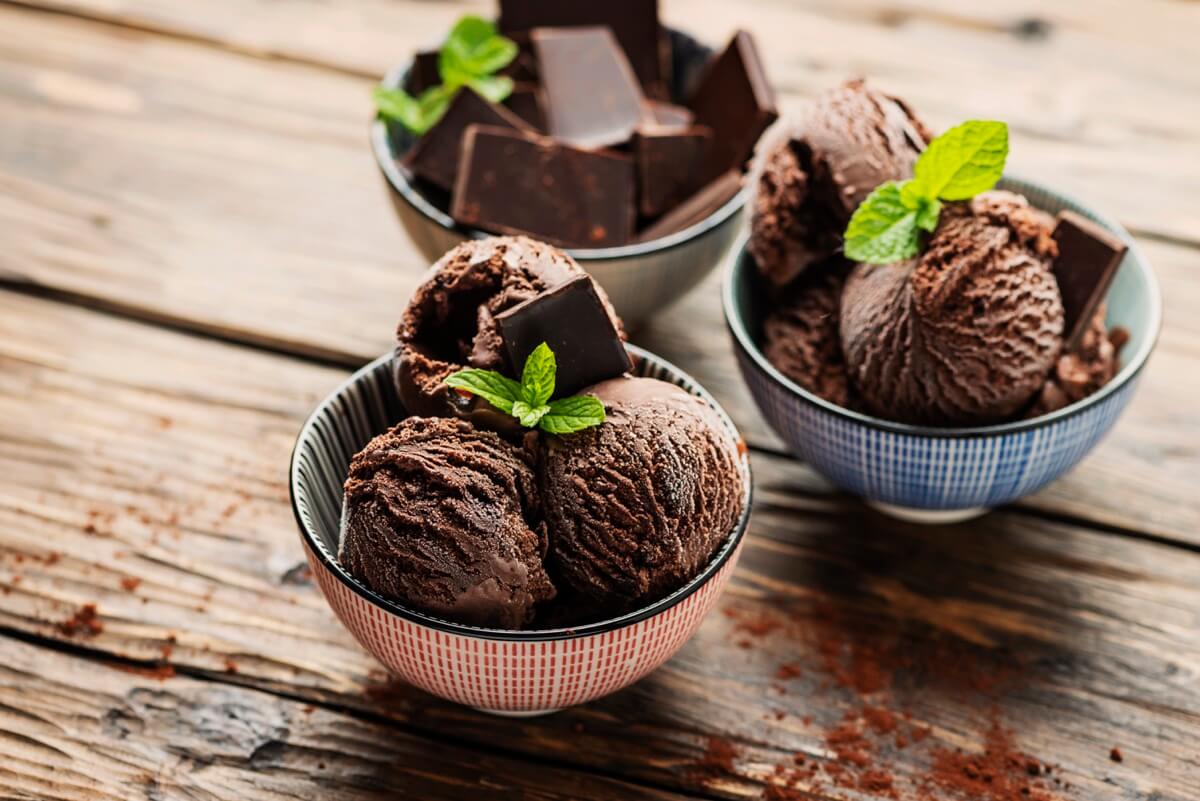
(470, 55)
(529, 401)
(959, 164)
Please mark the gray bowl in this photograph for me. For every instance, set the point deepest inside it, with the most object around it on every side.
(641, 278)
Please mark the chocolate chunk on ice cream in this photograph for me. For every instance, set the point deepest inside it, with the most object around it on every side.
(965, 333)
(446, 518)
(450, 322)
(638, 505)
(801, 336)
(810, 174)
(1087, 368)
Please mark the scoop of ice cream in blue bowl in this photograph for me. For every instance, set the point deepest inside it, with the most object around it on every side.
(926, 337)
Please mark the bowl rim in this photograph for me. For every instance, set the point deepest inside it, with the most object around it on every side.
(737, 261)
(729, 547)
(398, 180)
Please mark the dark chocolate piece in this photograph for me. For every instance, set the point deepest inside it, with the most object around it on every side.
(526, 102)
(669, 166)
(435, 155)
(592, 96)
(423, 74)
(519, 183)
(735, 100)
(572, 320)
(666, 116)
(700, 205)
(1088, 258)
(633, 22)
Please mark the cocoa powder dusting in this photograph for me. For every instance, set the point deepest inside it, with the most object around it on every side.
(1000, 773)
(717, 761)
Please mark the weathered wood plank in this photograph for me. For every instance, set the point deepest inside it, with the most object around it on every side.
(72, 729)
(1102, 96)
(129, 492)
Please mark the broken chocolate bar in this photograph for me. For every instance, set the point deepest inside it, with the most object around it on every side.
(572, 320)
(435, 156)
(700, 205)
(1088, 258)
(735, 100)
(516, 182)
(633, 22)
(592, 95)
(669, 166)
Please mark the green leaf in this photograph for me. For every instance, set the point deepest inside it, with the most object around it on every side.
(493, 55)
(473, 50)
(883, 229)
(496, 389)
(964, 161)
(529, 415)
(399, 106)
(568, 415)
(537, 378)
(928, 210)
(470, 32)
(494, 88)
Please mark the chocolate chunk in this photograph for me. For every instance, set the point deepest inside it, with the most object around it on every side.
(526, 102)
(423, 74)
(735, 100)
(592, 95)
(633, 22)
(435, 156)
(669, 166)
(1088, 258)
(572, 320)
(520, 183)
(665, 116)
(700, 205)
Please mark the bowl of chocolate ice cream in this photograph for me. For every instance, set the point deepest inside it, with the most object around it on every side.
(622, 142)
(963, 373)
(519, 553)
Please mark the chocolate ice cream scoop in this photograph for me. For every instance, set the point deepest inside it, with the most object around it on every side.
(639, 504)
(445, 518)
(966, 332)
(810, 174)
(450, 322)
(801, 333)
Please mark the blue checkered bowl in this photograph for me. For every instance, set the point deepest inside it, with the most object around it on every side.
(945, 474)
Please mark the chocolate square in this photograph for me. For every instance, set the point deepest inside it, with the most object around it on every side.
(516, 182)
(423, 74)
(700, 205)
(1088, 258)
(736, 101)
(592, 95)
(435, 156)
(634, 23)
(669, 165)
(573, 321)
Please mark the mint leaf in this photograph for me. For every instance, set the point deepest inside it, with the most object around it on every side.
(494, 88)
(928, 210)
(473, 50)
(491, 56)
(529, 415)
(494, 388)
(883, 229)
(568, 415)
(964, 161)
(470, 32)
(537, 378)
(399, 106)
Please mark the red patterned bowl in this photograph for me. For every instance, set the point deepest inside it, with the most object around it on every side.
(499, 671)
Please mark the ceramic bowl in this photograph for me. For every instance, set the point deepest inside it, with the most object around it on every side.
(934, 474)
(640, 279)
(500, 671)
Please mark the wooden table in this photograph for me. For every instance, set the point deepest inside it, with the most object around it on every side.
(194, 248)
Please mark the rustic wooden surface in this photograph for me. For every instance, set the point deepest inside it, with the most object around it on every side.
(194, 248)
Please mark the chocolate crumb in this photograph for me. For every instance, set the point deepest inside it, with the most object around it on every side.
(1115, 755)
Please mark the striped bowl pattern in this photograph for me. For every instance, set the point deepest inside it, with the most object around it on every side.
(500, 671)
(641, 279)
(940, 474)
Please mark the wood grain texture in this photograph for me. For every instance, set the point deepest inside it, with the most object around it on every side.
(73, 729)
(292, 246)
(158, 494)
(1102, 96)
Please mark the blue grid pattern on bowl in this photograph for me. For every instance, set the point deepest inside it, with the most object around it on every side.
(931, 473)
(947, 469)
